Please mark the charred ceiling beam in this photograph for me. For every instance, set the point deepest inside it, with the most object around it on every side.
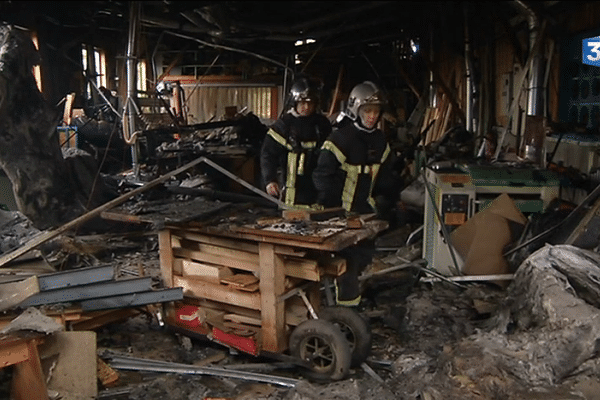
(334, 18)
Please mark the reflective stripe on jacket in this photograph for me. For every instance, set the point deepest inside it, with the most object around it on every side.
(353, 173)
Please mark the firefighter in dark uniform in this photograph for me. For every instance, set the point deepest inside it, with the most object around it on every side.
(290, 149)
(355, 164)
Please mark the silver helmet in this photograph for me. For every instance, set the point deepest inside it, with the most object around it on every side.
(363, 93)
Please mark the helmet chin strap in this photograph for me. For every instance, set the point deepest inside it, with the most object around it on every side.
(359, 125)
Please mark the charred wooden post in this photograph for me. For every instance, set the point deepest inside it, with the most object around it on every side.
(30, 154)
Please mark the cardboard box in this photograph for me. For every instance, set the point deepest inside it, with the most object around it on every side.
(482, 239)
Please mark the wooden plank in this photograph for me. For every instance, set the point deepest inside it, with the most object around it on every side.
(305, 214)
(241, 255)
(250, 288)
(198, 288)
(121, 217)
(294, 315)
(96, 319)
(337, 242)
(242, 319)
(272, 277)
(282, 235)
(202, 270)
(13, 351)
(166, 257)
(228, 308)
(250, 247)
(240, 280)
(303, 269)
(244, 265)
(106, 374)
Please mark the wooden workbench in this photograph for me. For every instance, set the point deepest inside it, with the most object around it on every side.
(238, 272)
(205, 258)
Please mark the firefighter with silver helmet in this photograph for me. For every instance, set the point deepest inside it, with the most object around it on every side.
(355, 164)
(290, 149)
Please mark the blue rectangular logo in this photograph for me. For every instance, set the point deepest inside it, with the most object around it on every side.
(591, 51)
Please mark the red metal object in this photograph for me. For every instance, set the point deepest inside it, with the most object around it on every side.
(190, 317)
(245, 344)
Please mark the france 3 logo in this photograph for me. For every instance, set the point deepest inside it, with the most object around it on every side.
(591, 51)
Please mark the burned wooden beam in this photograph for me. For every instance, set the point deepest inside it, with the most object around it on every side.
(45, 236)
(45, 187)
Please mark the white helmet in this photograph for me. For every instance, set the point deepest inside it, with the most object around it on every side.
(363, 93)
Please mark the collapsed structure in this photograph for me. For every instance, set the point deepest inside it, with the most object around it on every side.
(136, 201)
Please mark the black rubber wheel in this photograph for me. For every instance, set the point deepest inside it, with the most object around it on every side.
(354, 327)
(324, 346)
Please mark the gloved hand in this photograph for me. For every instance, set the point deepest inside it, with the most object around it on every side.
(317, 207)
(273, 189)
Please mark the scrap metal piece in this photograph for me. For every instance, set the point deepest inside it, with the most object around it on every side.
(370, 371)
(86, 292)
(133, 300)
(302, 294)
(32, 319)
(138, 364)
(81, 276)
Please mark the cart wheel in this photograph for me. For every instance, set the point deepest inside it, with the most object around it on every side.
(355, 329)
(323, 345)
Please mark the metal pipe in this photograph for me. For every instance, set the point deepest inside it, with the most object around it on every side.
(244, 183)
(129, 134)
(468, 76)
(311, 310)
(137, 364)
(535, 77)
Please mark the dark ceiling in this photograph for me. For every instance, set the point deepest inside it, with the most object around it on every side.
(267, 28)
(265, 31)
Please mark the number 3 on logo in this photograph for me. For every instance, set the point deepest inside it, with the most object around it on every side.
(595, 50)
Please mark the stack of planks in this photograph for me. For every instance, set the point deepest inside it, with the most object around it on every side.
(436, 121)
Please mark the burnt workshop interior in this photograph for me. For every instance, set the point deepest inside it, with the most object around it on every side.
(299, 200)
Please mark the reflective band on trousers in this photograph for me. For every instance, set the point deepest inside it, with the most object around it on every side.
(295, 164)
(346, 303)
(352, 174)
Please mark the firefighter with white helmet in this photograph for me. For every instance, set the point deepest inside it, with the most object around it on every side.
(355, 164)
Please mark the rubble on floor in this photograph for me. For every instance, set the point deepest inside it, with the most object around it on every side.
(432, 339)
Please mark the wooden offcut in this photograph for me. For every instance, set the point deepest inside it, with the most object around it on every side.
(211, 272)
(11, 294)
(308, 214)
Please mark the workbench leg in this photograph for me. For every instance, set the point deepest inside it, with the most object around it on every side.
(272, 279)
(28, 380)
(165, 248)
